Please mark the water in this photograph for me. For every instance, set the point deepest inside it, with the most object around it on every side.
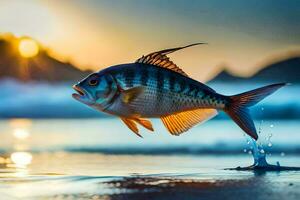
(109, 135)
(69, 175)
(102, 159)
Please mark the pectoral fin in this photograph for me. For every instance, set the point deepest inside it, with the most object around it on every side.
(131, 125)
(183, 121)
(131, 94)
(145, 123)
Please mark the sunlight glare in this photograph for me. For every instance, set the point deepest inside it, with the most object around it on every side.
(20, 133)
(28, 48)
(21, 159)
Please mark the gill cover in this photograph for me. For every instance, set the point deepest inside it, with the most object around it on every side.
(105, 91)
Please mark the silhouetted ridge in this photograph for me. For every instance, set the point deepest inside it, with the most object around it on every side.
(41, 67)
(287, 70)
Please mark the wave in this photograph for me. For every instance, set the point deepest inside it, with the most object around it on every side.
(43, 100)
(212, 150)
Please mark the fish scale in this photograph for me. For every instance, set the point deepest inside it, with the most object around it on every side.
(161, 96)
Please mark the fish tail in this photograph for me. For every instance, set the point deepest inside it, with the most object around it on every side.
(238, 107)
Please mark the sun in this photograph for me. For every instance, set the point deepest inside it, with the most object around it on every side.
(28, 48)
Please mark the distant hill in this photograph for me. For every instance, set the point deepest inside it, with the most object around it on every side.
(41, 67)
(287, 70)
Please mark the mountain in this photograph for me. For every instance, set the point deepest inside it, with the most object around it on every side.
(287, 70)
(41, 67)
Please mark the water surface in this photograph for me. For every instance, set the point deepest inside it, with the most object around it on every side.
(102, 159)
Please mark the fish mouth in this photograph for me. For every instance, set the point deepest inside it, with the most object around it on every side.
(82, 95)
(80, 92)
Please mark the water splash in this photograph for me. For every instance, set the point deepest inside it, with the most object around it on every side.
(260, 161)
(259, 154)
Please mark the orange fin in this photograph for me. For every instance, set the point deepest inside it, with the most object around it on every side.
(183, 121)
(131, 94)
(161, 59)
(131, 125)
(145, 123)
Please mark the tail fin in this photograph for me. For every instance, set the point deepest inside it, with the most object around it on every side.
(238, 106)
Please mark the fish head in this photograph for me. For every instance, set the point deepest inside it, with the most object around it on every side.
(96, 90)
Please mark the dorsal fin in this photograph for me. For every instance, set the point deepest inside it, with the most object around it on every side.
(161, 59)
(183, 121)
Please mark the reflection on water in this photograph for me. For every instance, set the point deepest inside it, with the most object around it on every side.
(16, 164)
(96, 135)
(21, 159)
(20, 128)
(20, 123)
(20, 138)
(20, 133)
(18, 156)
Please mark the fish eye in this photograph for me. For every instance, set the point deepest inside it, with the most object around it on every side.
(93, 82)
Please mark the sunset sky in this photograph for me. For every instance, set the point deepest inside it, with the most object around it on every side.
(96, 34)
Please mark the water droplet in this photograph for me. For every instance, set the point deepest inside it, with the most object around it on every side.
(282, 154)
(271, 126)
(249, 152)
(262, 108)
(245, 150)
(268, 138)
(262, 151)
(270, 144)
(259, 143)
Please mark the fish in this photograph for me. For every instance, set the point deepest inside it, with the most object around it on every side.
(155, 87)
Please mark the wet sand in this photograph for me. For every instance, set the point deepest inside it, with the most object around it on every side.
(152, 187)
(190, 189)
(165, 187)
